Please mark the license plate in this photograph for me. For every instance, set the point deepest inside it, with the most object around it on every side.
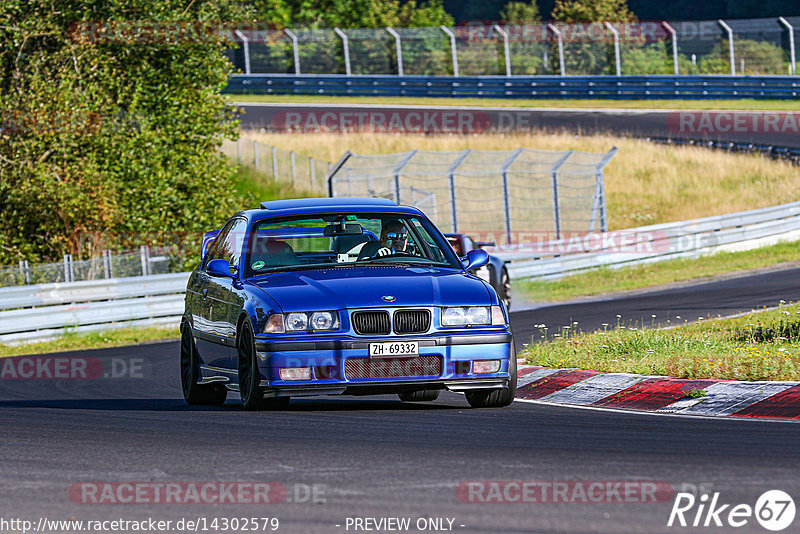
(394, 348)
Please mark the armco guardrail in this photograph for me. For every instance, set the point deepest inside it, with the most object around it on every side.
(613, 87)
(43, 311)
(693, 238)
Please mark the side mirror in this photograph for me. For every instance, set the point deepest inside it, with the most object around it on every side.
(476, 258)
(219, 267)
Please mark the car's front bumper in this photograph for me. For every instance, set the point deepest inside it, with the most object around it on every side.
(328, 360)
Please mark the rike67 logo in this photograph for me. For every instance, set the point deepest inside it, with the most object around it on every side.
(774, 510)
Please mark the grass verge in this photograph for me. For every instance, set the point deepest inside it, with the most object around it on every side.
(757, 346)
(253, 187)
(606, 280)
(645, 183)
(100, 339)
(744, 104)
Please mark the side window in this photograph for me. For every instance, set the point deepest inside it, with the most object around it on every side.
(228, 245)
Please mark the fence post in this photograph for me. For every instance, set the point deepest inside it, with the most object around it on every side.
(255, 154)
(560, 48)
(274, 164)
(107, 264)
(599, 203)
(312, 173)
(452, 186)
(506, 49)
(399, 49)
(396, 173)
(239, 150)
(294, 170)
(346, 46)
(730, 45)
(245, 49)
(791, 43)
(453, 51)
(617, 61)
(68, 274)
(674, 34)
(333, 169)
(556, 208)
(144, 251)
(506, 201)
(295, 49)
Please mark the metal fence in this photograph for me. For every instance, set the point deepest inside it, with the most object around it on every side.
(305, 173)
(747, 46)
(142, 262)
(476, 190)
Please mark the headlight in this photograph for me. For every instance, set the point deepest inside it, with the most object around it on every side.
(473, 315)
(301, 322)
(296, 322)
(462, 316)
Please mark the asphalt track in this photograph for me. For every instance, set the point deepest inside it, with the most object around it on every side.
(685, 124)
(379, 458)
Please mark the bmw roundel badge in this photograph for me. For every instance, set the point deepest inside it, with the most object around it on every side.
(388, 298)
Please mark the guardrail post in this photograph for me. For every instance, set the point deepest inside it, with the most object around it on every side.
(617, 62)
(674, 34)
(452, 187)
(791, 43)
(245, 49)
(274, 164)
(295, 49)
(294, 169)
(255, 154)
(730, 45)
(506, 193)
(506, 49)
(25, 271)
(399, 49)
(453, 51)
(346, 46)
(557, 33)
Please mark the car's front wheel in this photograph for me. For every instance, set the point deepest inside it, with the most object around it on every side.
(194, 393)
(420, 395)
(496, 398)
(249, 376)
(505, 288)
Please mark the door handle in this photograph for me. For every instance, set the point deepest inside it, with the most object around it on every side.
(205, 294)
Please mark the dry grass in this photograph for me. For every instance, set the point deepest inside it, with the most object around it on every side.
(645, 183)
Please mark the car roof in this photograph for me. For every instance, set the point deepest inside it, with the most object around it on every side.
(299, 206)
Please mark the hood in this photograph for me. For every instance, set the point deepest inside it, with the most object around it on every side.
(365, 287)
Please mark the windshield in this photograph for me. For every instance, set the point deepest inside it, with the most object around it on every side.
(345, 239)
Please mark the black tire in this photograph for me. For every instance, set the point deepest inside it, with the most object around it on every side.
(420, 395)
(504, 291)
(496, 398)
(249, 376)
(194, 393)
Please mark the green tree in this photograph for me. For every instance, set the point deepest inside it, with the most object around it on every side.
(520, 12)
(592, 10)
(111, 133)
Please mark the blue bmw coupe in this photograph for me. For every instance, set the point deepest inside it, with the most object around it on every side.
(330, 296)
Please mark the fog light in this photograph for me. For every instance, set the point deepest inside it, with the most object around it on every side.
(482, 367)
(295, 373)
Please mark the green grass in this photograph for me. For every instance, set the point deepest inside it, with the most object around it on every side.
(744, 104)
(253, 187)
(758, 346)
(607, 280)
(101, 339)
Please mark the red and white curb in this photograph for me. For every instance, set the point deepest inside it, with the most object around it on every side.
(727, 398)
